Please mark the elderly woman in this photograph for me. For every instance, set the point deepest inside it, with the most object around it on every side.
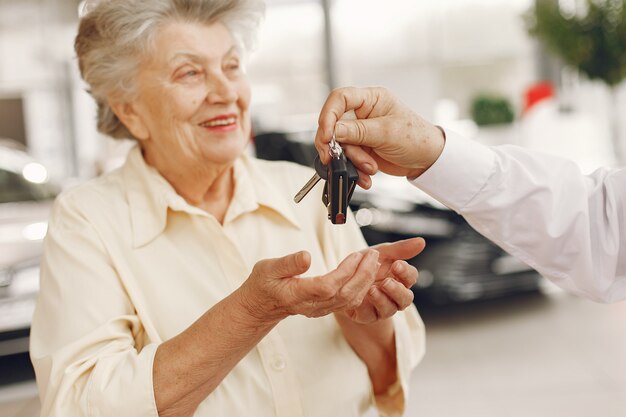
(168, 286)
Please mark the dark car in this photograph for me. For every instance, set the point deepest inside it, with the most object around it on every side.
(458, 264)
(26, 195)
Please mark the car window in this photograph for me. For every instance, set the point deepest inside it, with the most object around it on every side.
(15, 188)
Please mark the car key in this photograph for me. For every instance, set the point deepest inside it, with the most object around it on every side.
(341, 178)
(337, 189)
(340, 185)
(353, 178)
(321, 173)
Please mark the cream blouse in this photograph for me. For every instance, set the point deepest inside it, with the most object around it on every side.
(128, 264)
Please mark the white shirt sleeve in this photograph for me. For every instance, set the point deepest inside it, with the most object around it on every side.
(540, 208)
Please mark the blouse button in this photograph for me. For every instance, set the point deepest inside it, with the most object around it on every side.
(278, 363)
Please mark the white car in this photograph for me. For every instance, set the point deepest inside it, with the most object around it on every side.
(26, 196)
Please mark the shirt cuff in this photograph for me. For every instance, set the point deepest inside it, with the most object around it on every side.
(392, 403)
(410, 348)
(127, 369)
(459, 173)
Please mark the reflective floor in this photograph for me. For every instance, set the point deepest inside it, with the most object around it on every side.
(542, 356)
(547, 355)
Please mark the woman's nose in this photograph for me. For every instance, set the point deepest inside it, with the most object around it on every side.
(221, 90)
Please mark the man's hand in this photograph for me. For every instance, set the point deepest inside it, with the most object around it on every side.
(386, 135)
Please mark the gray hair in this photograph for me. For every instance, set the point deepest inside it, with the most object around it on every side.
(114, 35)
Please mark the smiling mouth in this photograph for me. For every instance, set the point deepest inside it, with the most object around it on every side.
(225, 121)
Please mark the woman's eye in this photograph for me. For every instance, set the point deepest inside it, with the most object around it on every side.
(233, 66)
(189, 73)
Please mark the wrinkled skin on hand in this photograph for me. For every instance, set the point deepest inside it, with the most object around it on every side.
(391, 291)
(275, 289)
(366, 286)
(386, 135)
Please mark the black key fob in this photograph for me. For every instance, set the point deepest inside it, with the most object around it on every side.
(341, 179)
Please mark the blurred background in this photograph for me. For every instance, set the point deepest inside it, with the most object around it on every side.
(546, 75)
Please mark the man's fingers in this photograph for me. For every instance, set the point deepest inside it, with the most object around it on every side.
(361, 158)
(340, 101)
(364, 181)
(365, 165)
(373, 133)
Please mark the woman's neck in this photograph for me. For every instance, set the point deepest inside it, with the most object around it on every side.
(210, 188)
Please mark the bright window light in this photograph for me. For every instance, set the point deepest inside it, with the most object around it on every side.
(35, 173)
(35, 231)
(82, 8)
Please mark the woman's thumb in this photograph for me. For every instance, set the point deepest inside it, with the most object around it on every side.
(289, 265)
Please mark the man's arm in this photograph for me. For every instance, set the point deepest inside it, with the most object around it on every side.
(542, 209)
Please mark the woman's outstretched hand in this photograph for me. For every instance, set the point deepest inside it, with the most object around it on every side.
(391, 290)
(275, 288)
(367, 286)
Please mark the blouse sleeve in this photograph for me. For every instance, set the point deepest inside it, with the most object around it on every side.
(86, 339)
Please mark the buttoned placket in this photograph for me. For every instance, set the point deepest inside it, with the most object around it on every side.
(271, 349)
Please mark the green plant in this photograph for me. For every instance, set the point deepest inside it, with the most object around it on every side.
(594, 42)
(491, 110)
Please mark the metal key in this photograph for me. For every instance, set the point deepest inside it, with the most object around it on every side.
(335, 149)
(341, 177)
(321, 173)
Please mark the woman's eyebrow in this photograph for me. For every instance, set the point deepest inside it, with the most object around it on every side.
(232, 50)
(197, 58)
(188, 55)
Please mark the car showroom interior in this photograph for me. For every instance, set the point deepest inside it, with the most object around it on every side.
(504, 336)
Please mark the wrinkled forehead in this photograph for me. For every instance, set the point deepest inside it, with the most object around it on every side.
(178, 41)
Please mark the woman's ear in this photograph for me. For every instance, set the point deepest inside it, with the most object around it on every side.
(128, 115)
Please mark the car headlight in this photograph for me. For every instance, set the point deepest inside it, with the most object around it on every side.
(6, 277)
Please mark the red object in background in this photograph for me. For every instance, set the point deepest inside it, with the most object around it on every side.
(536, 93)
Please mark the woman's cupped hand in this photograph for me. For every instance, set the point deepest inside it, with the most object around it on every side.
(366, 286)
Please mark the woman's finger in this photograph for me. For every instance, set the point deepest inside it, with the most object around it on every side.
(325, 287)
(384, 306)
(396, 292)
(354, 290)
(404, 273)
(402, 249)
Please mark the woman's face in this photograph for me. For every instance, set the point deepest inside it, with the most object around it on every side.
(192, 106)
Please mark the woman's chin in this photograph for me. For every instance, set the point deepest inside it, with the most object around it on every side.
(225, 152)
